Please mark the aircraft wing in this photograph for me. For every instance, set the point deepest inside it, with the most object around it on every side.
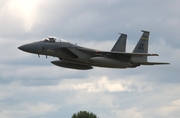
(134, 55)
(69, 52)
(124, 54)
(115, 53)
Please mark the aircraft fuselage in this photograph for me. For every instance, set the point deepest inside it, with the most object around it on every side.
(77, 57)
(73, 55)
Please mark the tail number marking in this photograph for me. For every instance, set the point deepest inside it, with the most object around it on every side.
(141, 47)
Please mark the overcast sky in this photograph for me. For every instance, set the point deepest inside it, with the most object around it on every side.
(31, 87)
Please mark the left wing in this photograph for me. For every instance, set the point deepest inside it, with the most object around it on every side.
(115, 53)
(124, 54)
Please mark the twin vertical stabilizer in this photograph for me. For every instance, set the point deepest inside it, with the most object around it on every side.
(142, 47)
(120, 45)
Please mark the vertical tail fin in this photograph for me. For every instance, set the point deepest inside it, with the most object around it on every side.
(120, 45)
(142, 47)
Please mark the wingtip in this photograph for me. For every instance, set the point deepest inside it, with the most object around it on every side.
(154, 54)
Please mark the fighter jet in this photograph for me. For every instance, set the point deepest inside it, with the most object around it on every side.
(76, 57)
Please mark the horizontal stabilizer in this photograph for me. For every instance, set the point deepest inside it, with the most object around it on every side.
(152, 63)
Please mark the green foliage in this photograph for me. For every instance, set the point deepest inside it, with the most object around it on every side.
(84, 114)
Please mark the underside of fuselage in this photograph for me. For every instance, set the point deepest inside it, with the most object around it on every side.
(95, 61)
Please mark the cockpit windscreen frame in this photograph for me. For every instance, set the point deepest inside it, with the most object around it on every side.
(53, 39)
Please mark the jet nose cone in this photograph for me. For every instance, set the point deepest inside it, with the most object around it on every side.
(32, 48)
(21, 47)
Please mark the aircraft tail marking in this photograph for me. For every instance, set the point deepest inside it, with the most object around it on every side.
(142, 47)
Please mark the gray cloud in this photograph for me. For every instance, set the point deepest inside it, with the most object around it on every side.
(32, 87)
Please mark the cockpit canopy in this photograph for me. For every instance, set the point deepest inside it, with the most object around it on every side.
(53, 39)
